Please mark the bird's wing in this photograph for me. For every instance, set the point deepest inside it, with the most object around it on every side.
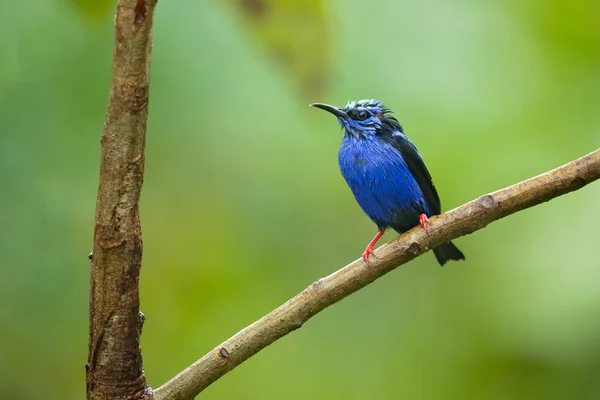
(417, 167)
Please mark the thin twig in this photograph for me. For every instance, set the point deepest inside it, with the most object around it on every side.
(114, 367)
(293, 314)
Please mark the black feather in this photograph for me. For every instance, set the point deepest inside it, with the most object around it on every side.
(413, 160)
(416, 166)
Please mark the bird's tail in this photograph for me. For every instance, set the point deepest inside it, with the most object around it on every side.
(447, 251)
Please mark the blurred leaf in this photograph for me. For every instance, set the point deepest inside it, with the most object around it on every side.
(243, 205)
(93, 9)
(294, 34)
(571, 26)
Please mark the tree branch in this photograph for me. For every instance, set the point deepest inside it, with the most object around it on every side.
(114, 367)
(321, 294)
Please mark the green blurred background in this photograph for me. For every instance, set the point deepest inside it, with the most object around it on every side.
(243, 205)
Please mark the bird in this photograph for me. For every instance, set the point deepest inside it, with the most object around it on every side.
(386, 173)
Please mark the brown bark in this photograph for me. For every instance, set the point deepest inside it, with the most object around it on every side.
(114, 367)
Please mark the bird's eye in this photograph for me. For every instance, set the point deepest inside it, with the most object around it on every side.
(362, 115)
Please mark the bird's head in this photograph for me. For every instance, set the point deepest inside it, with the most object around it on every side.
(362, 119)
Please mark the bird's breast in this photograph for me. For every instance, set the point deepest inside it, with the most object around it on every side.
(381, 182)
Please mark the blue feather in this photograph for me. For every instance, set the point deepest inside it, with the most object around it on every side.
(385, 172)
(381, 183)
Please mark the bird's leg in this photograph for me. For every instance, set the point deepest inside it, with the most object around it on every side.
(424, 221)
(370, 247)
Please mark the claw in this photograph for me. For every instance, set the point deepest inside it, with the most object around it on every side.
(371, 246)
(367, 253)
(424, 221)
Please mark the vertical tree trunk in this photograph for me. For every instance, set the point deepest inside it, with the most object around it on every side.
(114, 367)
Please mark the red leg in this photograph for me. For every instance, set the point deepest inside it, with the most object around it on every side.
(423, 220)
(370, 246)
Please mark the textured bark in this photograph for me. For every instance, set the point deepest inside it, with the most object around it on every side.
(114, 367)
(293, 314)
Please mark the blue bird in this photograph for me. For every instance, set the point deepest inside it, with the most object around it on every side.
(386, 172)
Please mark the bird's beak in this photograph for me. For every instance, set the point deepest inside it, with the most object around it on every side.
(334, 110)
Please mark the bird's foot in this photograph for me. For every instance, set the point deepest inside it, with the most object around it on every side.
(371, 246)
(424, 221)
(368, 252)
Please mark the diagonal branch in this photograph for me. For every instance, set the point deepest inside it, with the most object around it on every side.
(321, 294)
(114, 367)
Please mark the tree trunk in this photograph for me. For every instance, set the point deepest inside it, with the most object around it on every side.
(114, 368)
